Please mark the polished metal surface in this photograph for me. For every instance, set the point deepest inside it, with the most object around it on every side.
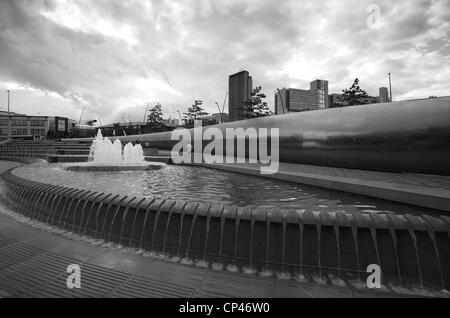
(407, 136)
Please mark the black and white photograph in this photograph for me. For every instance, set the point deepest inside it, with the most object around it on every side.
(219, 155)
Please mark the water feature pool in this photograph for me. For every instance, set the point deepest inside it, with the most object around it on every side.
(189, 215)
(205, 185)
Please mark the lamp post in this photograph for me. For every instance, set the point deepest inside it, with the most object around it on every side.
(390, 88)
(9, 117)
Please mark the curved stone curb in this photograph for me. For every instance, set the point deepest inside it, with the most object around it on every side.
(114, 168)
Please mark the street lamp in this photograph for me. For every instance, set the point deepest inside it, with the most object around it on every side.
(390, 88)
(9, 118)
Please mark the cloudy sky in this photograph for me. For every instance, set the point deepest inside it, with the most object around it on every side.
(112, 58)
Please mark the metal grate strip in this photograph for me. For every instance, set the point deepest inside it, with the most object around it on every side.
(27, 271)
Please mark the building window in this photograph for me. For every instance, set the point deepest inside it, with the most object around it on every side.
(38, 132)
(38, 123)
(19, 122)
(19, 131)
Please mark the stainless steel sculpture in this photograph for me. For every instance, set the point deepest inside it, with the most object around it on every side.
(407, 136)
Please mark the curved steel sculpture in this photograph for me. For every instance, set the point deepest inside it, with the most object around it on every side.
(407, 136)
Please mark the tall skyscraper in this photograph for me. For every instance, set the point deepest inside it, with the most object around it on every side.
(240, 87)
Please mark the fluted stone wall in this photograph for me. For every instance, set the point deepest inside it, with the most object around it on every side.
(410, 249)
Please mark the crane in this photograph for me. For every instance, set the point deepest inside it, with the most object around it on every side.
(220, 112)
(223, 108)
(224, 101)
(181, 118)
(145, 114)
(81, 116)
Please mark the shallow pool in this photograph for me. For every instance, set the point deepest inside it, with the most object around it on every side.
(212, 186)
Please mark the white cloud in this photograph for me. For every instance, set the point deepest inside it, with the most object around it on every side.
(78, 17)
(114, 57)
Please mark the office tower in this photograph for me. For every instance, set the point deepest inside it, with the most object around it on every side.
(239, 88)
(296, 100)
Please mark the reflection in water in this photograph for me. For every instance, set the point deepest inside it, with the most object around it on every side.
(213, 186)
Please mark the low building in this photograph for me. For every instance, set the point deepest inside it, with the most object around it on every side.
(288, 100)
(82, 131)
(224, 117)
(217, 118)
(336, 100)
(383, 95)
(134, 128)
(122, 129)
(172, 122)
(33, 127)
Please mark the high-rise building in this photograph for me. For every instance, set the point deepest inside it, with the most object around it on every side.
(289, 100)
(240, 87)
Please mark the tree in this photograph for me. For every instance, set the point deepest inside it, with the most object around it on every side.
(155, 117)
(91, 122)
(354, 95)
(51, 133)
(255, 106)
(195, 112)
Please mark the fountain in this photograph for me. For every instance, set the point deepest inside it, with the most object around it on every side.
(106, 155)
(213, 219)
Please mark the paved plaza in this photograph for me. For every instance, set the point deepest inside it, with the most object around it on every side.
(33, 264)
